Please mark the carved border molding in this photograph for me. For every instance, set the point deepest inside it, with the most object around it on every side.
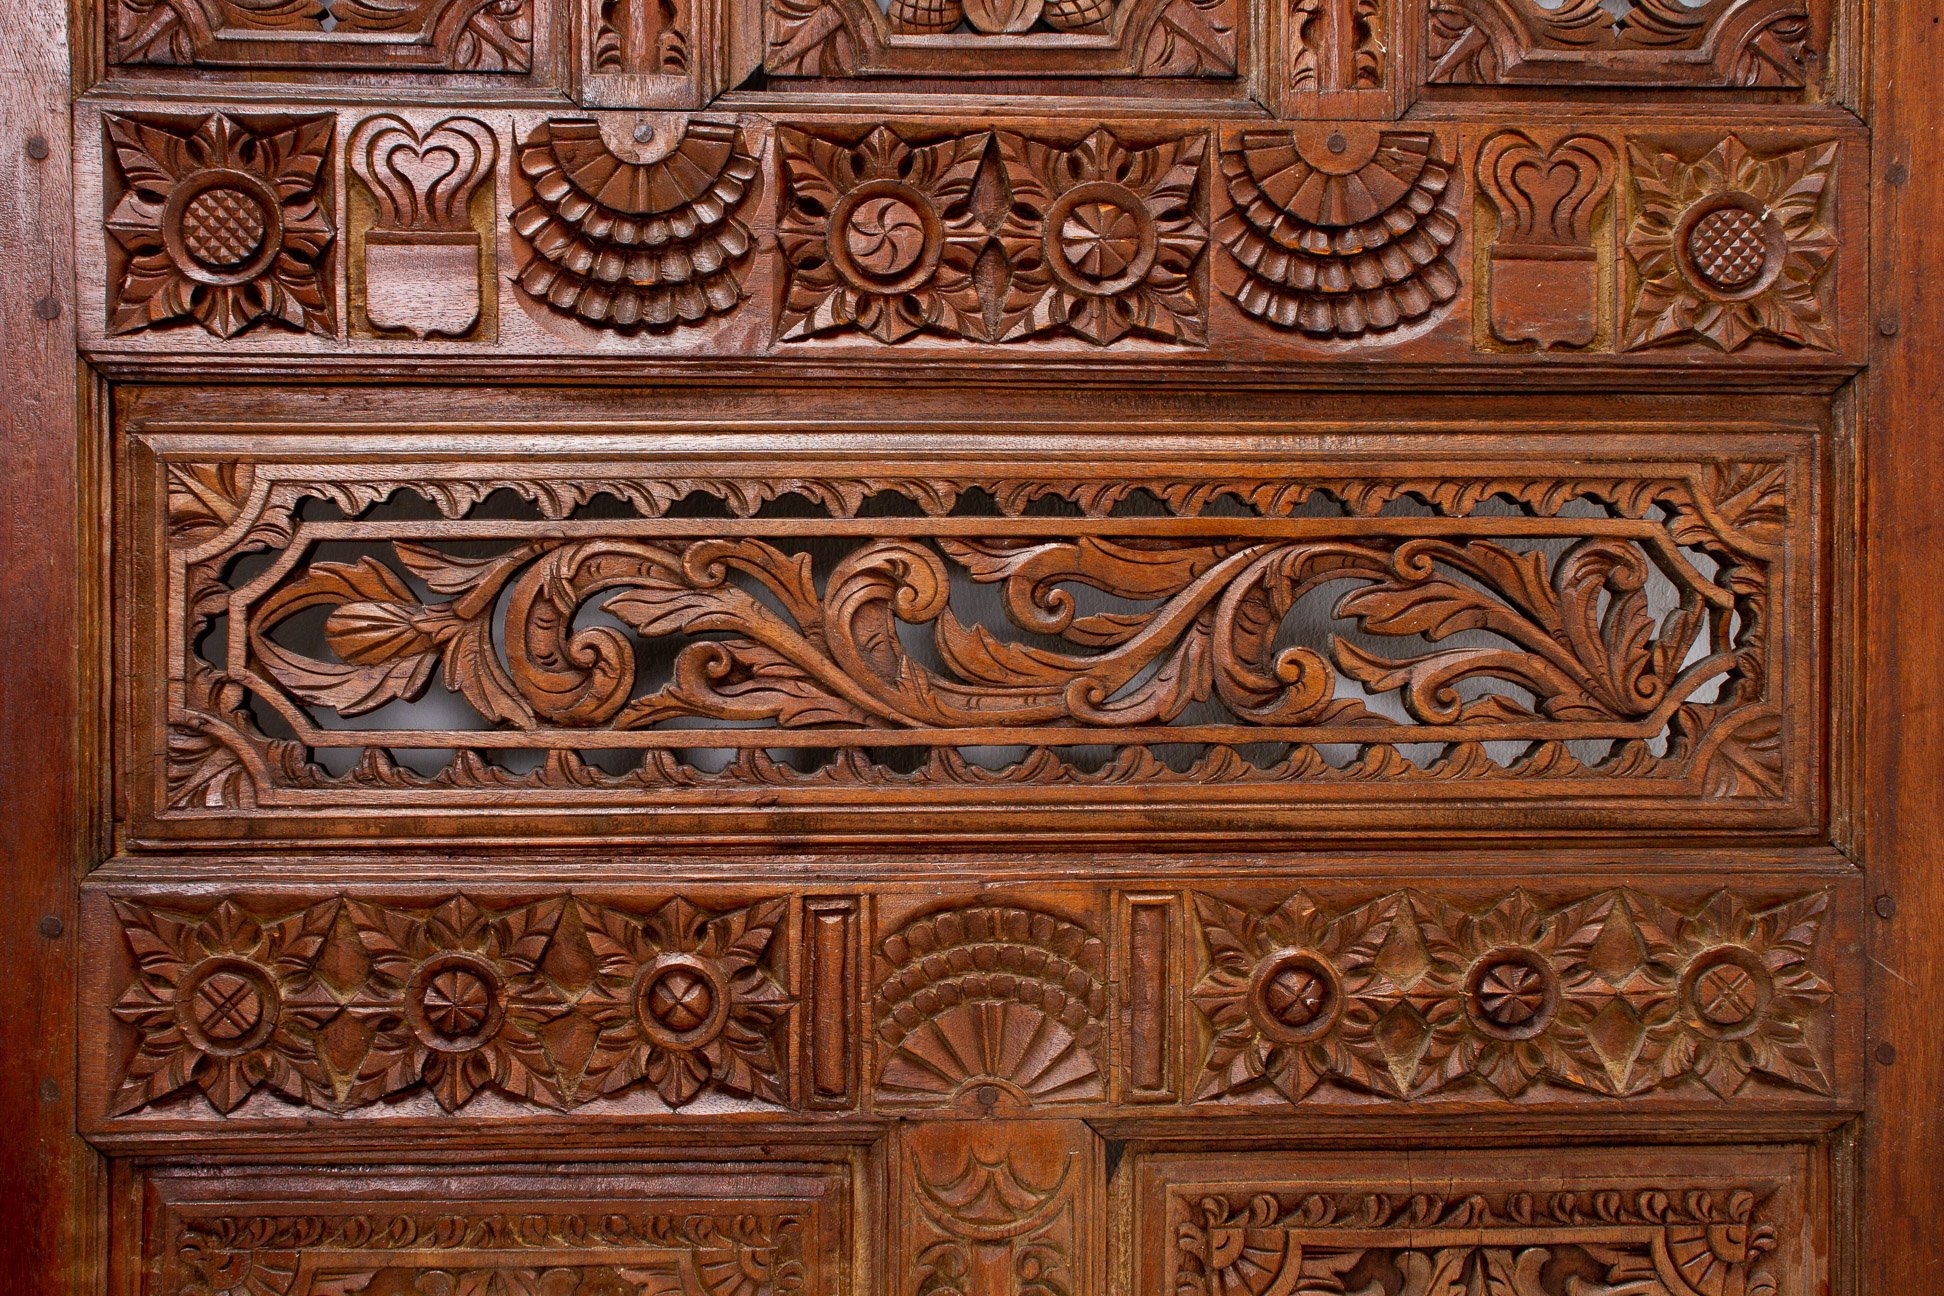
(800, 671)
(440, 35)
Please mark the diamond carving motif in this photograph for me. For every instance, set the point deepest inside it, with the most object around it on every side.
(1407, 995)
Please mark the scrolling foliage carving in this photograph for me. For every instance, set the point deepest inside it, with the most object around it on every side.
(1742, 43)
(1571, 1243)
(1002, 38)
(1616, 994)
(344, 1004)
(1637, 631)
(451, 35)
(610, 1240)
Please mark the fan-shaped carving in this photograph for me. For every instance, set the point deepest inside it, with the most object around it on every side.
(1340, 230)
(624, 244)
(992, 995)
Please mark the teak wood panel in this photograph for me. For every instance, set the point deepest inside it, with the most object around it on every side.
(1012, 326)
(1639, 637)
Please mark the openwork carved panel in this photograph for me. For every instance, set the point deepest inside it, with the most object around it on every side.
(653, 636)
(1004, 38)
(579, 1230)
(1553, 1223)
(441, 35)
(1732, 43)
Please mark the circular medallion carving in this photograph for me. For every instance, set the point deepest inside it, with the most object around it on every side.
(884, 237)
(1511, 994)
(1727, 990)
(1730, 247)
(228, 1006)
(1100, 239)
(1293, 997)
(222, 227)
(681, 1002)
(454, 1002)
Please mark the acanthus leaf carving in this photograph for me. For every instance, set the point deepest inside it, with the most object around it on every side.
(1734, 43)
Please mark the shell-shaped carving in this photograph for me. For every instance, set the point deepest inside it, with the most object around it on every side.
(924, 17)
(993, 995)
(1341, 230)
(626, 244)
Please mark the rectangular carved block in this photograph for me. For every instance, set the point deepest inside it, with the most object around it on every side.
(432, 35)
(714, 649)
(675, 1231)
(1555, 1222)
(1230, 997)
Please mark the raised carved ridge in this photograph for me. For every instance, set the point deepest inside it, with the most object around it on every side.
(1616, 994)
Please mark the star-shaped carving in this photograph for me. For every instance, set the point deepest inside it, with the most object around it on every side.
(1103, 240)
(1731, 248)
(214, 1003)
(455, 1001)
(686, 999)
(224, 224)
(881, 237)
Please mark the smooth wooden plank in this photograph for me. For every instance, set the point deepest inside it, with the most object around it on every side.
(40, 1159)
(1905, 711)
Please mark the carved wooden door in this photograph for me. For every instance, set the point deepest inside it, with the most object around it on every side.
(996, 647)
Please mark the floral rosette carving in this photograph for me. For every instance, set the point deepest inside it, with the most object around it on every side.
(1740, 991)
(457, 1001)
(1408, 995)
(1732, 248)
(214, 1003)
(227, 224)
(1642, 1241)
(881, 238)
(1283, 994)
(1103, 240)
(687, 999)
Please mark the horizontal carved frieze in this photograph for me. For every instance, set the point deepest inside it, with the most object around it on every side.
(1174, 243)
(629, 637)
(1558, 1222)
(578, 1230)
(1207, 1000)
(1721, 43)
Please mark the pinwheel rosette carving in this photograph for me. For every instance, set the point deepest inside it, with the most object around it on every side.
(227, 224)
(456, 1001)
(1282, 994)
(881, 238)
(624, 244)
(1104, 240)
(687, 1000)
(1341, 230)
(1732, 248)
(1741, 994)
(225, 1003)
